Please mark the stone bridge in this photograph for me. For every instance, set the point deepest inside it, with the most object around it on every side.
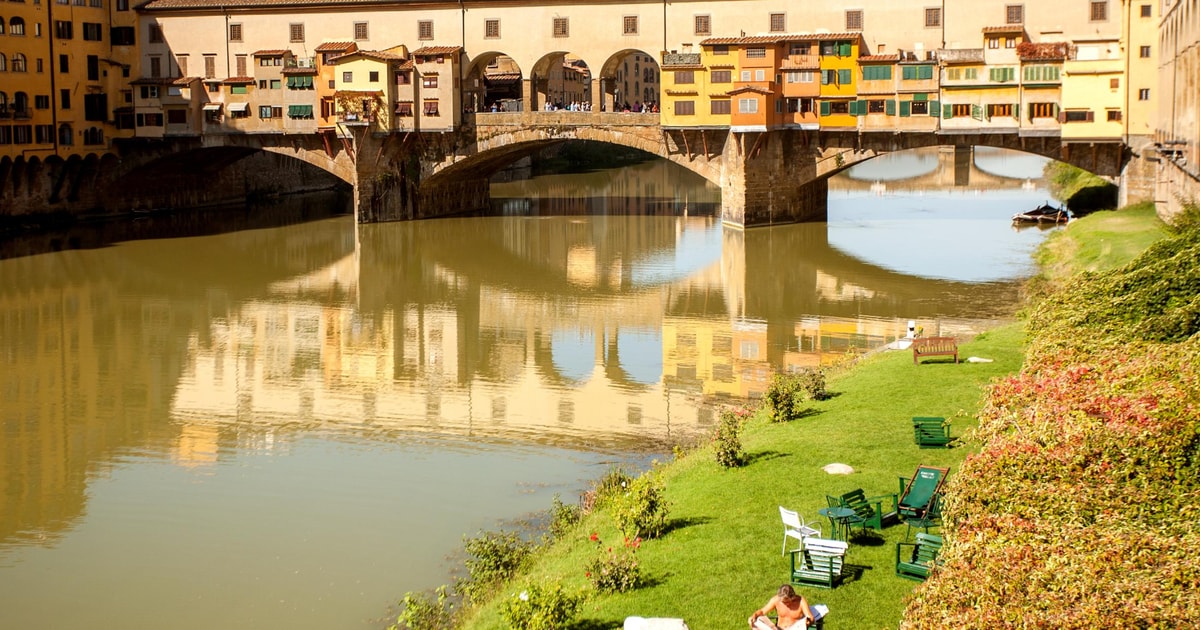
(771, 177)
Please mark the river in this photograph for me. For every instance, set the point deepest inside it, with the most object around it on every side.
(292, 423)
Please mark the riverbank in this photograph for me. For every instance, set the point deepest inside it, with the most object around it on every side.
(720, 557)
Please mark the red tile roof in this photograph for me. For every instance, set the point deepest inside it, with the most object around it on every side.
(436, 50)
(175, 5)
(749, 88)
(336, 47)
(1009, 28)
(185, 80)
(879, 58)
(238, 80)
(270, 53)
(292, 70)
(780, 38)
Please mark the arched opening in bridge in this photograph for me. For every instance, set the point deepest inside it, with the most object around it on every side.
(494, 84)
(560, 81)
(630, 80)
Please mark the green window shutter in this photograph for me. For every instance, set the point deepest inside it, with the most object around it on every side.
(920, 97)
(308, 82)
(905, 109)
(976, 112)
(844, 49)
(825, 77)
(934, 108)
(924, 72)
(844, 77)
(824, 108)
(868, 73)
(1010, 74)
(1017, 111)
(852, 107)
(994, 74)
(291, 83)
(889, 107)
(908, 73)
(972, 73)
(947, 111)
(1053, 74)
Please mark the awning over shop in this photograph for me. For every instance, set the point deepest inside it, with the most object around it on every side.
(239, 107)
(212, 107)
(300, 111)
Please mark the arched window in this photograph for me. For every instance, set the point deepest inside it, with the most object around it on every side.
(1, 26)
(16, 26)
(3, 103)
(18, 62)
(65, 137)
(20, 102)
(93, 136)
(3, 62)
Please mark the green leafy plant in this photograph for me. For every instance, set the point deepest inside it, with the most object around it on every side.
(494, 557)
(541, 607)
(421, 611)
(563, 517)
(788, 395)
(641, 511)
(727, 440)
(614, 483)
(615, 570)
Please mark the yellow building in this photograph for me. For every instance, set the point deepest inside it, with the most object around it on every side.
(839, 65)
(876, 106)
(1093, 91)
(1041, 86)
(1142, 54)
(437, 69)
(687, 95)
(365, 88)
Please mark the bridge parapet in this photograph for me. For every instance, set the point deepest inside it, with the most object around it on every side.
(563, 119)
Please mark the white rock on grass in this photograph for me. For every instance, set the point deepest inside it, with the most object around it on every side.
(838, 469)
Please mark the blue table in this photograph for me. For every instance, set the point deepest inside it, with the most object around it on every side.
(839, 521)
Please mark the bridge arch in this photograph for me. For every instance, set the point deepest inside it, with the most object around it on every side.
(491, 78)
(559, 78)
(630, 75)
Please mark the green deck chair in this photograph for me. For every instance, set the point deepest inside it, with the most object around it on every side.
(916, 494)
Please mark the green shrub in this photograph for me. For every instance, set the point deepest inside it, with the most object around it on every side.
(728, 441)
(539, 607)
(641, 511)
(563, 517)
(615, 570)
(787, 396)
(420, 611)
(494, 558)
(613, 483)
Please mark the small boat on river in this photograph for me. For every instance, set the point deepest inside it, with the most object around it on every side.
(1044, 213)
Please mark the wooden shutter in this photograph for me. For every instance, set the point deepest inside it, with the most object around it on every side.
(889, 107)
(905, 109)
(934, 108)
(824, 108)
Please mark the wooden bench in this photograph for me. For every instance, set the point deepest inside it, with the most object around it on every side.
(916, 563)
(931, 432)
(819, 562)
(934, 346)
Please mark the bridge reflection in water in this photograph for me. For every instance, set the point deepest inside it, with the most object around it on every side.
(590, 332)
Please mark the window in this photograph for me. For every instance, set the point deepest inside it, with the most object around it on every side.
(267, 111)
(702, 25)
(64, 64)
(1144, 94)
(933, 17)
(18, 62)
(43, 134)
(210, 66)
(431, 109)
(1010, 42)
(296, 32)
(960, 110)
(404, 109)
(1144, 52)
(1114, 84)
(403, 78)
(1078, 115)
(777, 23)
(720, 49)
(746, 74)
(235, 32)
(1113, 115)
(122, 5)
(760, 75)
(839, 107)
(429, 81)
(347, 77)
(176, 116)
(239, 89)
(425, 29)
(561, 27)
(156, 34)
(799, 76)
(373, 76)
(64, 99)
(629, 25)
(1042, 110)
(360, 31)
(276, 84)
(719, 107)
(721, 76)
(1042, 73)
(854, 20)
(491, 30)
(878, 73)
(1001, 75)
(683, 77)
(93, 68)
(828, 77)
(756, 53)
(240, 65)
(1099, 11)
(122, 36)
(1014, 14)
(1147, 10)
(747, 106)
(93, 31)
(1004, 110)
(875, 106)
(63, 29)
(993, 42)
(41, 101)
(685, 108)
(844, 77)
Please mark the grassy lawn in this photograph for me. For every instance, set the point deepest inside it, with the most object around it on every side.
(721, 556)
(1100, 241)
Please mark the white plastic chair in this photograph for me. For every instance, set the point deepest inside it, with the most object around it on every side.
(794, 527)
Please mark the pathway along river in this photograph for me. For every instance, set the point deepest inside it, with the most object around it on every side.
(289, 427)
